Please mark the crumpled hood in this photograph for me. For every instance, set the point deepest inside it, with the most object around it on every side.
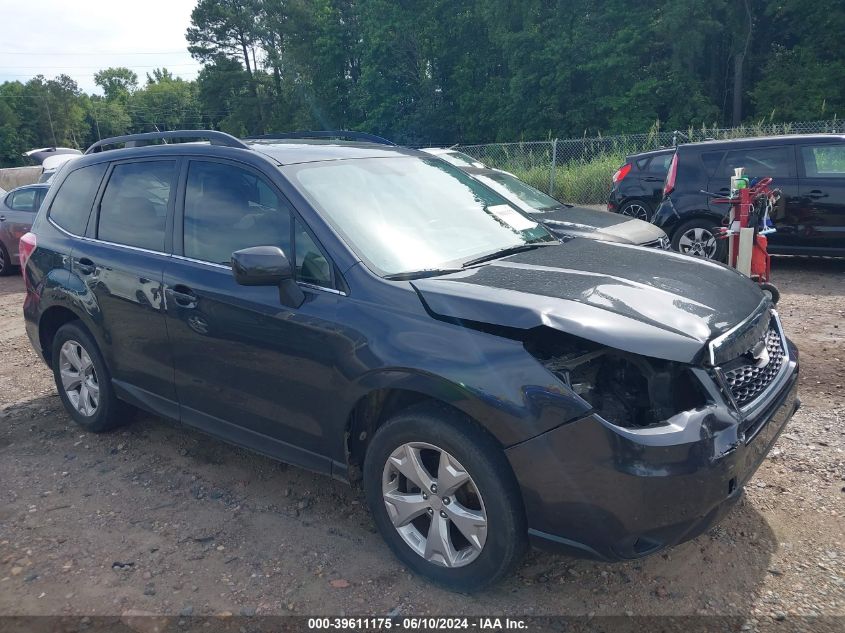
(645, 301)
(599, 225)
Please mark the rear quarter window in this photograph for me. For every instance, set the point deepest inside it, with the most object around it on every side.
(72, 205)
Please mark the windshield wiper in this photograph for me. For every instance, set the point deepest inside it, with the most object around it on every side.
(421, 274)
(507, 251)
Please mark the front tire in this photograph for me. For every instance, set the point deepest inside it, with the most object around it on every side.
(444, 498)
(697, 238)
(83, 380)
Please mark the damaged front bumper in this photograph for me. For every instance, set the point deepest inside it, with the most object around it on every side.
(593, 489)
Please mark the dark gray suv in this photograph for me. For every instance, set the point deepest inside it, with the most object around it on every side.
(372, 313)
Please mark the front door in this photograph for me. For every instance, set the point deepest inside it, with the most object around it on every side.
(249, 368)
(822, 196)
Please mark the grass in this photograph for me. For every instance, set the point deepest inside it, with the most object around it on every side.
(582, 182)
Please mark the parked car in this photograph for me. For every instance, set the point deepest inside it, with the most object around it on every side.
(17, 211)
(375, 314)
(638, 184)
(566, 220)
(809, 169)
(51, 159)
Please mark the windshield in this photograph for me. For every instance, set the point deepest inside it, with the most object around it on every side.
(518, 192)
(409, 214)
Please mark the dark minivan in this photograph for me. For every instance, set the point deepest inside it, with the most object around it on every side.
(808, 169)
(372, 313)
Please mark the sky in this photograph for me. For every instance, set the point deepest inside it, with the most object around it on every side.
(80, 37)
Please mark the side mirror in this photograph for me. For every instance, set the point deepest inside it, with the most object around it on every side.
(267, 266)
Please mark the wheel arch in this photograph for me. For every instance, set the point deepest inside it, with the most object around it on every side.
(377, 406)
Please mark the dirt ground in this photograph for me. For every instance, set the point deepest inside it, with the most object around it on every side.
(162, 519)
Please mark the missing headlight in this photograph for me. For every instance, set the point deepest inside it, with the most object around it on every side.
(626, 389)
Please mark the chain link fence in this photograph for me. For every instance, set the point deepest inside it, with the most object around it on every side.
(579, 170)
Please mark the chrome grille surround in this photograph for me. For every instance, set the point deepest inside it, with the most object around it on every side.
(743, 381)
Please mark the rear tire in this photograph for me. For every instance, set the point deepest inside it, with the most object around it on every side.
(83, 380)
(697, 238)
(5, 261)
(461, 536)
(639, 209)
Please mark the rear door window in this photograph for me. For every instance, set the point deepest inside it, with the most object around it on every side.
(228, 208)
(72, 205)
(133, 210)
(824, 161)
(659, 165)
(711, 162)
(760, 162)
(23, 200)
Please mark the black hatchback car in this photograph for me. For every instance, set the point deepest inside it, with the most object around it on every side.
(809, 170)
(375, 314)
(637, 187)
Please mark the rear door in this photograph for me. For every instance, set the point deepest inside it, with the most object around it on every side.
(121, 260)
(247, 367)
(821, 211)
(16, 216)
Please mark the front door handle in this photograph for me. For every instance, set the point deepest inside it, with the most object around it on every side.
(86, 266)
(2, 218)
(815, 194)
(184, 297)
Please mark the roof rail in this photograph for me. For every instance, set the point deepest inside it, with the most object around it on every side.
(349, 135)
(131, 140)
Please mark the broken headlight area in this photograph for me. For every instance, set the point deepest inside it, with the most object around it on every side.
(627, 390)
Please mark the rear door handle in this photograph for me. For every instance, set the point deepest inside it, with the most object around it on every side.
(815, 194)
(184, 297)
(2, 218)
(86, 266)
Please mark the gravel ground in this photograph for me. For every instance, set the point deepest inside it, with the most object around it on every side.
(160, 519)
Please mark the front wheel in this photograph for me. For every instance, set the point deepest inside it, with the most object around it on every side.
(698, 239)
(443, 497)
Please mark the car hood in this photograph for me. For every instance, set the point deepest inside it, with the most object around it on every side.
(639, 300)
(599, 225)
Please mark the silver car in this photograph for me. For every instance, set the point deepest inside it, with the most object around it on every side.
(17, 212)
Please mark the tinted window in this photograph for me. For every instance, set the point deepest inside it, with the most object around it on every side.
(824, 161)
(133, 210)
(311, 265)
(23, 200)
(660, 164)
(711, 161)
(72, 205)
(228, 208)
(759, 162)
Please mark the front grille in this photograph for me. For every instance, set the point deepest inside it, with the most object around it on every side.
(745, 380)
(663, 244)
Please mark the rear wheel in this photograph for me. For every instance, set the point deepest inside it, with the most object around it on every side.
(5, 261)
(638, 209)
(83, 380)
(698, 239)
(444, 498)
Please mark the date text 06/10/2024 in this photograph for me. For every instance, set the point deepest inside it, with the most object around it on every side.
(416, 624)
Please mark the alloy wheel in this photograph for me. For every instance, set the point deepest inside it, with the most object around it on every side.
(79, 378)
(698, 242)
(434, 504)
(635, 210)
